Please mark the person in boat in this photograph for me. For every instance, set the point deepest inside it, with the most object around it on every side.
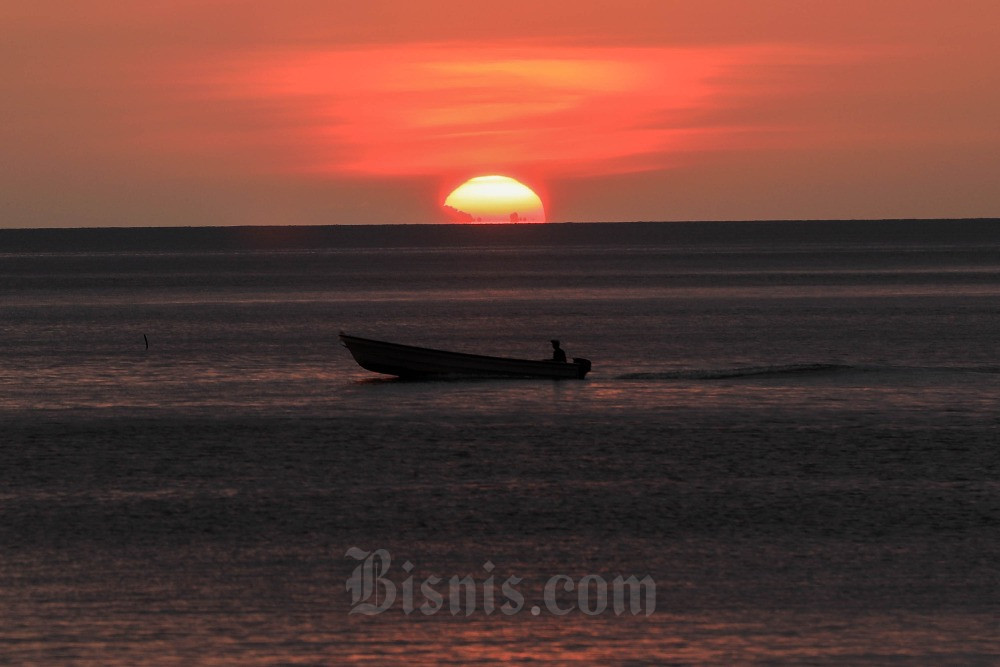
(557, 352)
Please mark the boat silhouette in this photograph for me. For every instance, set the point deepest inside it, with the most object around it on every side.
(409, 361)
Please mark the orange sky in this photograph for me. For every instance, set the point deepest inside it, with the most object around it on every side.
(317, 112)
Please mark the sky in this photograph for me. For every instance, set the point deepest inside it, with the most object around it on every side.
(235, 112)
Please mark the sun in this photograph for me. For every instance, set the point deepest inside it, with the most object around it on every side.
(494, 199)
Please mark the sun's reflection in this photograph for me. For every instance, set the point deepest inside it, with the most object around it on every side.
(717, 639)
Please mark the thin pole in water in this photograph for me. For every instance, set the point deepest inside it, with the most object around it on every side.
(146, 339)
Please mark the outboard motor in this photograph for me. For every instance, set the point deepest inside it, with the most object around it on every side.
(583, 365)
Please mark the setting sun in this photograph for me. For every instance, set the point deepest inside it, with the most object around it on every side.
(494, 199)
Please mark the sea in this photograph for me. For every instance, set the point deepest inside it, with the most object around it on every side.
(787, 451)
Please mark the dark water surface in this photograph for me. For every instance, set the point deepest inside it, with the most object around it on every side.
(792, 428)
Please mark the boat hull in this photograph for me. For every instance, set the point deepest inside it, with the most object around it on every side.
(408, 361)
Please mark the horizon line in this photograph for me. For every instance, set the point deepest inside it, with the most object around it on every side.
(524, 225)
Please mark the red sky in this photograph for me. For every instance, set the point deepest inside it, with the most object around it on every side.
(327, 112)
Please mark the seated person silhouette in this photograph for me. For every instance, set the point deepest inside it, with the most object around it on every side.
(557, 352)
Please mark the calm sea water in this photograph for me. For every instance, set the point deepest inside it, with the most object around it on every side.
(792, 428)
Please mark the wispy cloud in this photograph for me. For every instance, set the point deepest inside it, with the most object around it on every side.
(452, 107)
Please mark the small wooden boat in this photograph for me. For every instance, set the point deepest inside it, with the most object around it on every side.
(408, 361)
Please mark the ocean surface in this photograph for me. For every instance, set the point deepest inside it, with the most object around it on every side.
(792, 428)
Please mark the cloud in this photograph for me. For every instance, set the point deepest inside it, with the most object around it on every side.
(443, 108)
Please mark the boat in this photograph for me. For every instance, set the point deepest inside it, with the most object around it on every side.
(408, 361)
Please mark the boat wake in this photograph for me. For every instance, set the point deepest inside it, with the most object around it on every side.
(744, 372)
(797, 370)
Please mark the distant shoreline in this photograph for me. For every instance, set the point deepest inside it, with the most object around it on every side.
(959, 231)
